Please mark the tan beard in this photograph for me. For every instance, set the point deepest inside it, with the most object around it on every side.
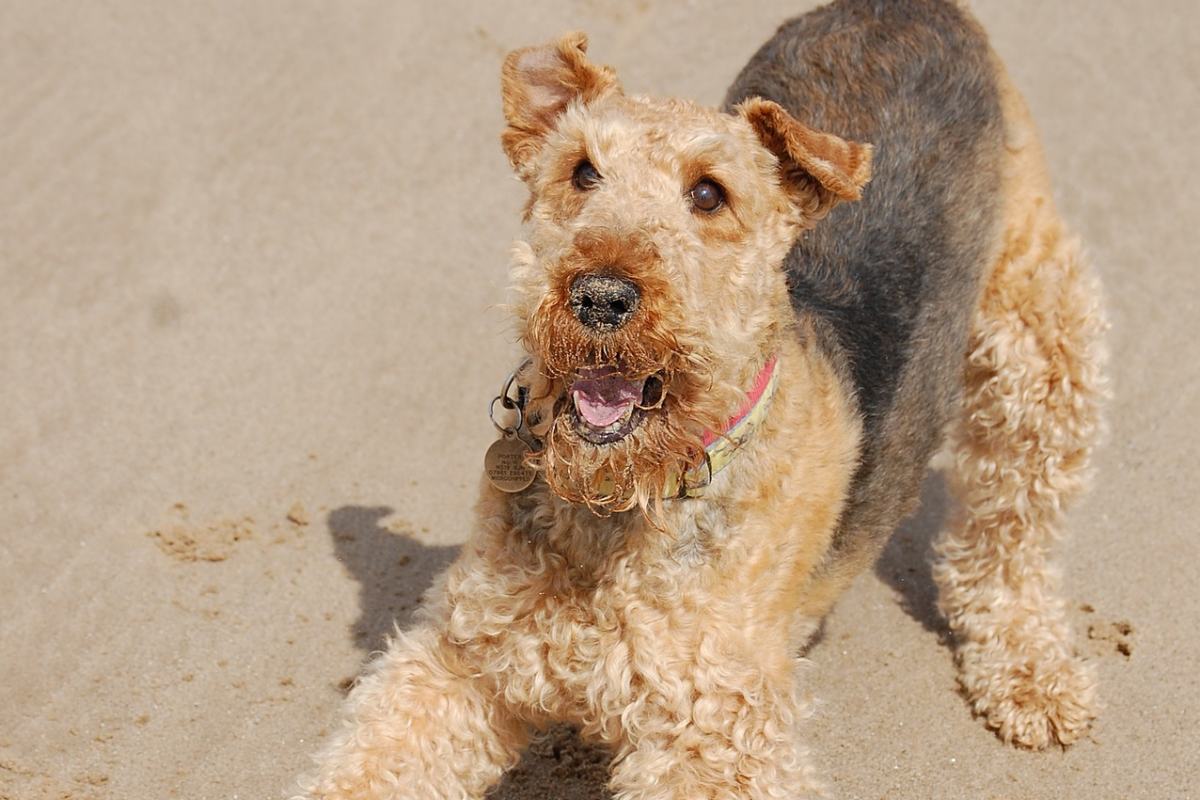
(636, 471)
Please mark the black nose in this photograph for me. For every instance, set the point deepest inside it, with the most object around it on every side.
(603, 302)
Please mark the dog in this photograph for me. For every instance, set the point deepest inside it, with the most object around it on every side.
(748, 331)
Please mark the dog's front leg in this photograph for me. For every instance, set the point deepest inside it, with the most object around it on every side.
(419, 725)
(729, 733)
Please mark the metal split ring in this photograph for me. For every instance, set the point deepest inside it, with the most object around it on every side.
(509, 404)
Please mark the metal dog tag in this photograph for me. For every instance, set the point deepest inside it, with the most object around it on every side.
(505, 465)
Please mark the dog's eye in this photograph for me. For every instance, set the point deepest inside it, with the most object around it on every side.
(707, 196)
(585, 178)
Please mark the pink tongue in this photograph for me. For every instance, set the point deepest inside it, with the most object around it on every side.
(603, 397)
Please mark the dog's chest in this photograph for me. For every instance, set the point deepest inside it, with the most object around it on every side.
(577, 618)
(565, 646)
(586, 655)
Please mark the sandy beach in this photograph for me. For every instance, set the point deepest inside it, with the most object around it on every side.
(253, 259)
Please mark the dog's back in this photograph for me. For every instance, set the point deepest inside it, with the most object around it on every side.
(889, 283)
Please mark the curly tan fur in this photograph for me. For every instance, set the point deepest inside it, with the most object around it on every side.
(663, 642)
(1030, 419)
(671, 637)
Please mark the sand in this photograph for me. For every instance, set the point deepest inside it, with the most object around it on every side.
(252, 258)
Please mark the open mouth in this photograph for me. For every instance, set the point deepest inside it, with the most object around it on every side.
(606, 406)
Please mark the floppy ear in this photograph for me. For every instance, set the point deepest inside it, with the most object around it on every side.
(818, 170)
(537, 84)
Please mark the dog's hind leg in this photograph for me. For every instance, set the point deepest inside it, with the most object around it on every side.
(1031, 415)
(1032, 391)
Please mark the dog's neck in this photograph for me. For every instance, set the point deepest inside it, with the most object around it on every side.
(682, 535)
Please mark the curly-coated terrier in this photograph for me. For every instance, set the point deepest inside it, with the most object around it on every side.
(747, 332)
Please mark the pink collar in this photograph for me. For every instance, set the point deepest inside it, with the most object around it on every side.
(761, 382)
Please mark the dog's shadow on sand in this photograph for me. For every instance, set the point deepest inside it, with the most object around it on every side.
(394, 570)
(907, 560)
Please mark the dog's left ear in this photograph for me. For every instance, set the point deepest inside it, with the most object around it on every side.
(819, 170)
(538, 83)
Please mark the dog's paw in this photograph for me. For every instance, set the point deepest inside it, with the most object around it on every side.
(1031, 700)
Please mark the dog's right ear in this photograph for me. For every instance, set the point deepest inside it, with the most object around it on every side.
(538, 83)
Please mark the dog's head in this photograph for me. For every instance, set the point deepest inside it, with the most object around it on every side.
(649, 289)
